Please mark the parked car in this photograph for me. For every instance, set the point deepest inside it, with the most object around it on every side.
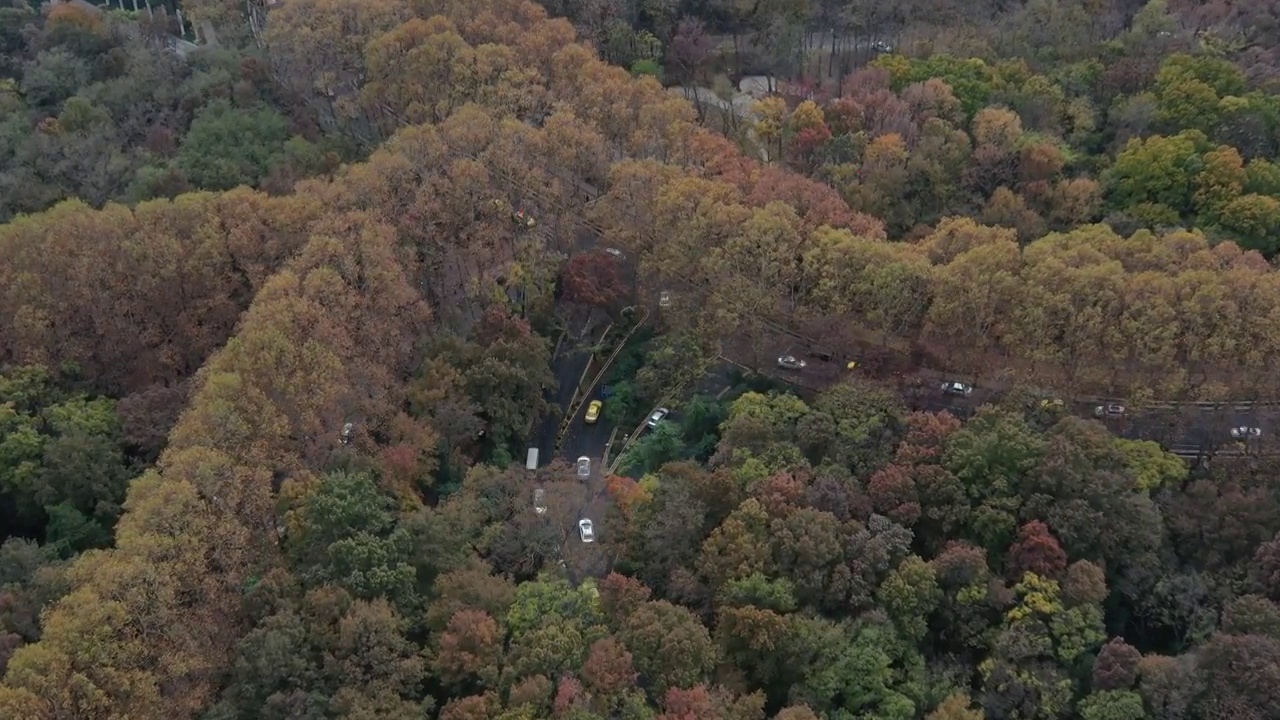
(615, 252)
(790, 362)
(953, 387)
(584, 467)
(540, 500)
(1112, 410)
(586, 531)
(1243, 433)
(664, 298)
(657, 417)
(1054, 404)
(593, 412)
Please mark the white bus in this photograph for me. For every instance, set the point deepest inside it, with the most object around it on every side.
(531, 462)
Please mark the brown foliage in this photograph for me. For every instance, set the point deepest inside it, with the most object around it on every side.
(1266, 564)
(534, 691)
(1116, 667)
(474, 707)
(1085, 584)
(140, 297)
(593, 278)
(926, 436)
(608, 670)
(327, 338)
(1036, 551)
(570, 696)
(621, 595)
(893, 494)
(469, 647)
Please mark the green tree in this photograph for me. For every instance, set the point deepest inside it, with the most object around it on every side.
(1150, 465)
(1254, 220)
(910, 594)
(1113, 705)
(54, 76)
(346, 533)
(671, 647)
(1160, 170)
(856, 678)
(229, 146)
(657, 448)
(990, 456)
(552, 598)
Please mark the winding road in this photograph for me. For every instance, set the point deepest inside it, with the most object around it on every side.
(1191, 430)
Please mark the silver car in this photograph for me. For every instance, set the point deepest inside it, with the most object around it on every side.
(1243, 433)
(657, 417)
(953, 387)
(790, 362)
(586, 531)
(1112, 410)
(584, 467)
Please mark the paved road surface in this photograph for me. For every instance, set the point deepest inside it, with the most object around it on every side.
(1185, 429)
(568, 365)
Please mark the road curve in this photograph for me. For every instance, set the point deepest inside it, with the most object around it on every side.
(1189, 428)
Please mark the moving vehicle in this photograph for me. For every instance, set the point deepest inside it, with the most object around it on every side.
(584, 467)
(790, 362)
(1242, 433)
(593, 412)
(953, 387)
(540, 500)
(1052, 404)
(657, 417)
(586, 531)
(1112, 410)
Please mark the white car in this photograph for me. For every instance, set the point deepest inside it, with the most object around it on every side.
(615, 252)
(790, 362)
(657, 417)
(953, 387)
(540, 501)
(1111, 410)
(586, 531)
(584, 467)
(1241, 433)
(664, 298)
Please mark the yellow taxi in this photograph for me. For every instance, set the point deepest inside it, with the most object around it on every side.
(593, 412)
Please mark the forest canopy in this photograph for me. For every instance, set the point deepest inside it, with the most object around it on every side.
(280, 316)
